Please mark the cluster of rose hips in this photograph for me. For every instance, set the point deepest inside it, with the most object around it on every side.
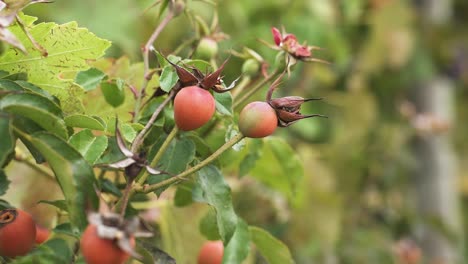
(109, 239)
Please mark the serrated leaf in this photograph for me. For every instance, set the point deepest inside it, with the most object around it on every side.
(279, 166)
(4, 182)
(39, 109)
(113, 93)
(168, 78)
(217, 193)
(7, 141)
(69, 49)
(74, 175)
(239, 246)
(90, 78)
(84, 121)
(60, 204)
(90, 146)
(223, 103)
(272, 249)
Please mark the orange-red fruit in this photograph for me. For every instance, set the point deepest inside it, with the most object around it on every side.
(98, 250)
(17, 233)
(193, 107)
(257, 120)
(211, 253)
(42, 234)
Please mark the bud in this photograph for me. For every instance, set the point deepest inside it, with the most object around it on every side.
(250, 67)
(207, 48)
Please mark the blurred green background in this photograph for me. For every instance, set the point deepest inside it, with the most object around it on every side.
(385, 177)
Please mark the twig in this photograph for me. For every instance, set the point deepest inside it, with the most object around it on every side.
(146, 49)
(188, 172)
(139, 138)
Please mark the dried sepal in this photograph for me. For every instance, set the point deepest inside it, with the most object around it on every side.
(132, 163)
(210, 80)
(112, 226)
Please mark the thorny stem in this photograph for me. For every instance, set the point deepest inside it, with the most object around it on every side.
(146, 49)
(252, 91)
(36, 45)
(139, 138)
(188, 172)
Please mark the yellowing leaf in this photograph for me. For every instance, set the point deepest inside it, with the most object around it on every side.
(69, 50)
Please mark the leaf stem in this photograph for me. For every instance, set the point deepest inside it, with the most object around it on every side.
(188, 172)
(147, 73)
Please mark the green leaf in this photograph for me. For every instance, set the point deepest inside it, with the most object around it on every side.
(9, 85)
(208, 225)
(249, 161)
(60, 204)
(113, 93)
(152, 254)
(74, 175)
(223, 103)
(183, 195)
(272, 249)
(177, 156)
(5, 205)
(84, 121)
(239, 246)
(69, 49)
(34, 89)
(27, 126)
(7, 141)
(39, 109)
(14, 76)
(279, 166)
(110, 187)
(174, 160)
(90, 146)
(217, 193)
(89, 79)
(168, 78)
(4, 182)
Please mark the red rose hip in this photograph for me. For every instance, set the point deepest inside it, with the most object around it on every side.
(211, 253)
(193, 107)
(257, 120)
(17, 233)
(97, 250)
